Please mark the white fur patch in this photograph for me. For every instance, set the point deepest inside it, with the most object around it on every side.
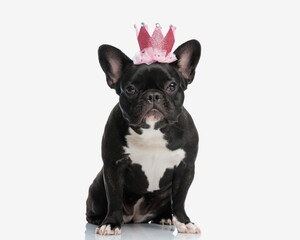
(166, 222)
(106, 230)
(186, 228)
(149, 150)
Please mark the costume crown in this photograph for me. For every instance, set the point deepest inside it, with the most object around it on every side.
(155, 48)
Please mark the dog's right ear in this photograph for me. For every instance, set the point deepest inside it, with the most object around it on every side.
(113, 62)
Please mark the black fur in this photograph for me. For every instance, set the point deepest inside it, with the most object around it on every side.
(120, 183)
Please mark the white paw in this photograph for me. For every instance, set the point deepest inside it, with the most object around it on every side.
(166, 222)
(106, 230)
(186, 228)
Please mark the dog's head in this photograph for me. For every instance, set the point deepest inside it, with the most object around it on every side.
(152, 92)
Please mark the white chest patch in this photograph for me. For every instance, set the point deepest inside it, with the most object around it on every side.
(149, 150)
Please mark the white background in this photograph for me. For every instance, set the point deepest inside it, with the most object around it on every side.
(54, 103)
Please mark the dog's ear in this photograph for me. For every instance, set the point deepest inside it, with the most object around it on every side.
(113, 62)
(188, 55)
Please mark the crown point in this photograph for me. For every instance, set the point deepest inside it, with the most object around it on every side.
(136, 30)
(142, 24)
(171, 26)
(157, 25)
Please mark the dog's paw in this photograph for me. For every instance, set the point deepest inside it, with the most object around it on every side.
(166, 222)
(106, 230)
(186, 228)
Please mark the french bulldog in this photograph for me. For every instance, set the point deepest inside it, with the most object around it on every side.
(149, 145)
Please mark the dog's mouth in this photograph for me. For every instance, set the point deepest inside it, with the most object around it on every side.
(153, 115)
(150, 116)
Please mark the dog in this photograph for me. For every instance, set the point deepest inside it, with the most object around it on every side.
(149, 145)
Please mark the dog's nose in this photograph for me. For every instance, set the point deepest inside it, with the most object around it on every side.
(153, 97)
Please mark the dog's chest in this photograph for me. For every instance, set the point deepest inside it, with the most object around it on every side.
(150, 151)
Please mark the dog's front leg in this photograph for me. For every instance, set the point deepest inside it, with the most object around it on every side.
(114, 183)
(182, 179)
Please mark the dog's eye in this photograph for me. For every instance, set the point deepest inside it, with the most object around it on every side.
(172, 86)
(130, 90)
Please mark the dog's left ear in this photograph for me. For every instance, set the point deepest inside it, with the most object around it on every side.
(188, 55)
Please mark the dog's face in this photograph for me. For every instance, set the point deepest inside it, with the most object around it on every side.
(150, 92)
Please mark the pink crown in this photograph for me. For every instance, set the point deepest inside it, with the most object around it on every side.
(156, 48)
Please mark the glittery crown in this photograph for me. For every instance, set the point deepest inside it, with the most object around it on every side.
(155, 48)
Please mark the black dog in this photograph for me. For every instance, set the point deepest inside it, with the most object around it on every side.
(149, 145)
